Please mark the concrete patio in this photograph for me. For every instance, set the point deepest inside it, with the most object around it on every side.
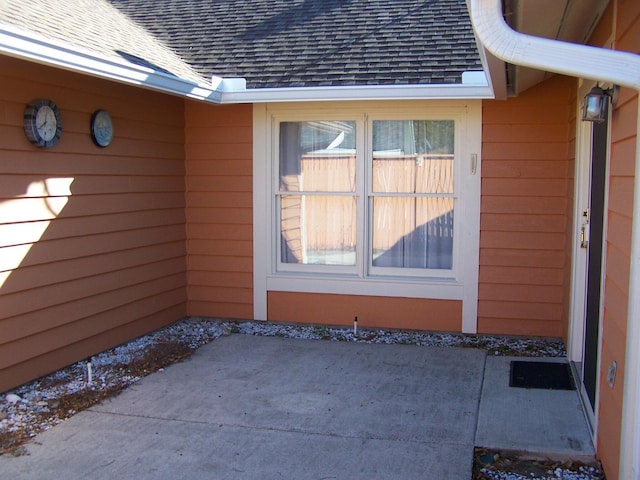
(265, 407)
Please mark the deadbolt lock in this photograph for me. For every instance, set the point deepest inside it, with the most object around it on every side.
(584, 241)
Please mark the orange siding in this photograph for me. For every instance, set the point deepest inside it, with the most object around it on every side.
(372, 312)
(618, 247)
(569, 221)
(92, 240)
(527, 156)
(219, 210)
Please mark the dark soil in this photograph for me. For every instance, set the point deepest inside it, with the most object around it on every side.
(486, 462)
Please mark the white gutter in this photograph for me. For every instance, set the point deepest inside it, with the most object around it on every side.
(620, 68)
(474, 86)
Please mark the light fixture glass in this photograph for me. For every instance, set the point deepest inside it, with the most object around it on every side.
(595, 105)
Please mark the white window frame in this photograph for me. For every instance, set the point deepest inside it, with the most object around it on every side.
(462, 284)
(306, 269)
(399, 272)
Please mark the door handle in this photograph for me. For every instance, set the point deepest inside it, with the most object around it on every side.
(584, 240)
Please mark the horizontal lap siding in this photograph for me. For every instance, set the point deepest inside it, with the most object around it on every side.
(219, 186)
(618, 247)
(569, 221)
(372, 312)
(527, 185)
(92, 241)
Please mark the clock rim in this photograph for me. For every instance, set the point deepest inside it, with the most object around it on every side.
(30, 126)
(95, 136)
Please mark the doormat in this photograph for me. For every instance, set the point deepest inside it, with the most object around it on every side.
(543, 375)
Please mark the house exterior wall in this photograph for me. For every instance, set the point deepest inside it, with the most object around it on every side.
(618, 246)
(526, 188)
(372, 312)
(219, 210)
(526, 220)
(569, 218)
(91, 240)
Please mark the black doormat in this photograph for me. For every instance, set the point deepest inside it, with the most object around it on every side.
(544, 375)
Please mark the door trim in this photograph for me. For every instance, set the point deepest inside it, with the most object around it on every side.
(577, 312)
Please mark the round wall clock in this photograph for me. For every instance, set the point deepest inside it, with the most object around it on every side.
(101, 128)
(42, 123)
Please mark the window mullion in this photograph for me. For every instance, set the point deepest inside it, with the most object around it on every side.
(362, 177)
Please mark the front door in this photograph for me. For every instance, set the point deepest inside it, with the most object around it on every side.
(593, 219)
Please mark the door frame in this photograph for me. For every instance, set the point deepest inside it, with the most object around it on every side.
(579, 257)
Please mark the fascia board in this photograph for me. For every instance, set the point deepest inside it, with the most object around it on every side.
(384, 92)
(30, 46)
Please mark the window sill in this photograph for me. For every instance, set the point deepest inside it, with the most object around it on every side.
(433, 288)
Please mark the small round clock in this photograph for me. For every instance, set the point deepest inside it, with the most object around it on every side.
(101, 128)
(42, 123)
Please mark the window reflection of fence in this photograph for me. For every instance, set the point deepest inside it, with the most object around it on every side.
(418, 173)
(320, 227)
(414, 230)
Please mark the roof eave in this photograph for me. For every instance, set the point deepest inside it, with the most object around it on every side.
(30, 46)
(474, 86)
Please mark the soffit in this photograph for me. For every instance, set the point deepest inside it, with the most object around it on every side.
(566, 20)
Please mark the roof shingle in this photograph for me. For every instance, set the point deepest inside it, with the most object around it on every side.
(285, 43)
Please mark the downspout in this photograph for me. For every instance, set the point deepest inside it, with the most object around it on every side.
(620, 68)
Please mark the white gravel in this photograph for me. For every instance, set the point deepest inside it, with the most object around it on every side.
(582, 473)
(31, 408)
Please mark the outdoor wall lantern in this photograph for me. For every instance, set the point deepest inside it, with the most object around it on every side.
(596, 103)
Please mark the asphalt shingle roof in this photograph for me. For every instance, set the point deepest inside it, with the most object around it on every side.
(276, 43)
(96, 26)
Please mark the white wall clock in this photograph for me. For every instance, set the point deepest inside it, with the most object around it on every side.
(101, 128)
(42, 123)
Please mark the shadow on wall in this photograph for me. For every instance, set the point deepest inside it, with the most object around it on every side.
(25, 217)
(85, 264)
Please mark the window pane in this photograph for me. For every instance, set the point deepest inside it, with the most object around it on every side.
(318, 229)
(413, 156)
(413, 232)
(318, 156)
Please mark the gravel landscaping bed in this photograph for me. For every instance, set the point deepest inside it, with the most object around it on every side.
(45, 402)
(496, 465)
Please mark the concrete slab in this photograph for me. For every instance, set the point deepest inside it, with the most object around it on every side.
(258, 407)
(98, 446)
(547, 422)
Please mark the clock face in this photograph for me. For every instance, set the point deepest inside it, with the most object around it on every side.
(46, 123)
(101, 128)
(42, 123)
